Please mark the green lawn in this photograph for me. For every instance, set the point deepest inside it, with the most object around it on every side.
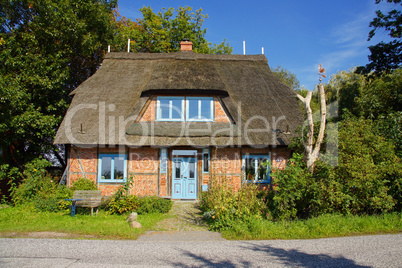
(319, 227)
(24, 219)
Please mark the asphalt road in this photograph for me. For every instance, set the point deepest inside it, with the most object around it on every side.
(363, 251)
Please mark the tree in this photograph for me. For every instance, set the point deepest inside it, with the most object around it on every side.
(162, 32)
(312, 149)
(287, 77)
(386, 56)
(47, 48)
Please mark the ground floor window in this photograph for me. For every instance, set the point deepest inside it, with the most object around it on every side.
(256, 168)
(112, 168)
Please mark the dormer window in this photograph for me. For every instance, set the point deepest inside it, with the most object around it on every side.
(170, 109)
(196, 109)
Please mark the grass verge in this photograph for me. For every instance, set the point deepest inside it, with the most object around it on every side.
(319, 227)
(22, 220)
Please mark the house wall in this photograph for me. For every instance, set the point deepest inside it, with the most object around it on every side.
(143, 164)
(82, 162)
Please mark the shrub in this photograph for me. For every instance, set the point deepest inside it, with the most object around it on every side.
(124, 204)
(369, 167)
(84, 184)
(36, 179)
(223, 207)
(40, 189)
(153, 204)
(293, 190)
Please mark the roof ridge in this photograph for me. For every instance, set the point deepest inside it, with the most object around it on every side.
(183, 55)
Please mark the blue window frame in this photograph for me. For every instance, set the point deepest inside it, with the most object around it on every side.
(112, 168)
(199, 108)
(170, 109)
(256, 168)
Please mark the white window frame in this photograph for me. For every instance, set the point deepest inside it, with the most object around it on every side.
(112, 180)
(158, 108)
(185, 112)
(268, 156)
(200, 118)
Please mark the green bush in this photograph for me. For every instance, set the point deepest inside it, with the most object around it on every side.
(40, 189)
(124, 204)
(293, 190)
(153, 204)
(141, 205)
(223, 207)
(367, 180)
(84, 184)
(36, 179)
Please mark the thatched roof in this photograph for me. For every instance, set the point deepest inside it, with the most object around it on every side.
(104, 108)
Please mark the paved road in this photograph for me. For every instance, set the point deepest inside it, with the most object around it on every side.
(364, 251)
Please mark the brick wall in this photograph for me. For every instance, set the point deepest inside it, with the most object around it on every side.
(143, 165)
(150, 112)
(82, 163)
(226, 166)
(220, 114)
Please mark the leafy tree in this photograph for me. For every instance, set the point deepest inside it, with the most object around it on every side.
(287, 77)
(386, 56)
(47, 48)
(162, 32)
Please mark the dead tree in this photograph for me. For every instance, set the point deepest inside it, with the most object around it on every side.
(312, 150)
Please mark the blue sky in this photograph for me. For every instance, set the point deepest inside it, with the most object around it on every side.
(298, 35)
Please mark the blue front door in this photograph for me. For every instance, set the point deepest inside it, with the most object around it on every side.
(184, 178)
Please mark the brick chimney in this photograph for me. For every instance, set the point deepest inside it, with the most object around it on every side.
(186, 45)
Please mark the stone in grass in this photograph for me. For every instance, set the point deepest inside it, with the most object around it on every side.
(132, 217)
(135, 224)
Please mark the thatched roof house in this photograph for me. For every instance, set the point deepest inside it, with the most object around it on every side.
(121, 104)
(253, 97)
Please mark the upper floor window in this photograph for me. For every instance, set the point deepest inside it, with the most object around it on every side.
(170, 109)
(198, 109)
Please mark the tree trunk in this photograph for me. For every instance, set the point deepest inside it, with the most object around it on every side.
(312, 151)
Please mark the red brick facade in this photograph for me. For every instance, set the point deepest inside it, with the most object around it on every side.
(143, 164)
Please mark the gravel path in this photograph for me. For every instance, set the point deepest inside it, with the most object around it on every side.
(184, 224)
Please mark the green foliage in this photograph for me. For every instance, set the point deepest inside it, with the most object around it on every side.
(287, 77)
(293, 190)
(223, 207)
(368, 165)
(162, 32)
(367, 179)
(124, 204)
(141, 205)
(39, 188)
(47, 48)
(84, 184)
(36, 179)
(386, 56)
(153, 204)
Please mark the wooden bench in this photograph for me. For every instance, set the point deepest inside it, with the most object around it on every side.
(90, 199)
